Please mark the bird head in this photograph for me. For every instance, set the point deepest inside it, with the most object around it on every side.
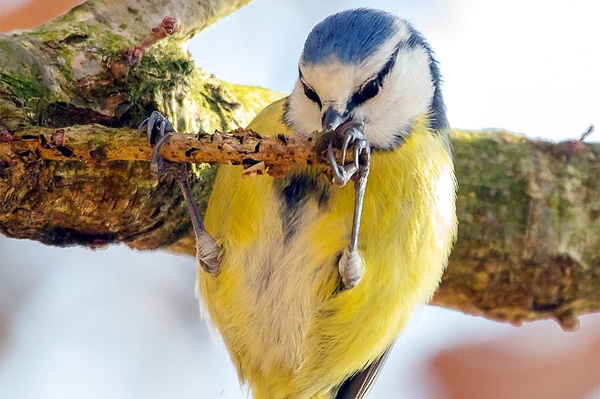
(370, 66)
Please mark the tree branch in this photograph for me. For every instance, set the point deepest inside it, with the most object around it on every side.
(73, 172)
(528, 225)
(94, 143)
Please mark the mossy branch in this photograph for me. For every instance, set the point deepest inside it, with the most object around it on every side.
(73, 170)
(528, 210)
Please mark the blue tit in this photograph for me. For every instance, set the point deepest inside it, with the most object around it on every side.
(279, 302)
(307, 298)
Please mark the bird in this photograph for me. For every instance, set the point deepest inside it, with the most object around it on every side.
(309, 282)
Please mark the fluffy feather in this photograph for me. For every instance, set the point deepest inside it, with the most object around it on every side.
(289, 329)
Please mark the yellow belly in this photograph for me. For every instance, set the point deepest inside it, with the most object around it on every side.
(277, 304)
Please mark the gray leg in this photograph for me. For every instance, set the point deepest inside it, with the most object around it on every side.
(159, 130)
(351, 264)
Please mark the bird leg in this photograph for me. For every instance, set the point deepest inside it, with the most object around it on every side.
(159, 130)
(351, 264)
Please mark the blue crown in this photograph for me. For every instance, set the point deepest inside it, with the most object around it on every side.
(351, 36)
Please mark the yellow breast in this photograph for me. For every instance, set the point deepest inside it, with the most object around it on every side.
(277, 304)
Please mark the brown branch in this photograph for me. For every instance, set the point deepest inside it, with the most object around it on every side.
(96, 143)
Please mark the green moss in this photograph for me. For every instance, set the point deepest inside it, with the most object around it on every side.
(252, 99)
(95, 38)
(577, 182)
(21, 77)
(497, 196)
(5, 46)
(193, 100)
(24, 87)
(161, 82)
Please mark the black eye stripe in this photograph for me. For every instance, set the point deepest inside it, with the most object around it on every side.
(311, 94)
(367, 91)
(371, 88)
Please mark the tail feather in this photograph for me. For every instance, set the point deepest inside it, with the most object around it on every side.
(358, 385)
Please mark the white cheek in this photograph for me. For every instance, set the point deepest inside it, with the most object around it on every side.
(406, 94)
(303, 115)
(413, 83)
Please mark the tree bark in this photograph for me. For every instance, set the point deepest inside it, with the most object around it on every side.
(74, 172)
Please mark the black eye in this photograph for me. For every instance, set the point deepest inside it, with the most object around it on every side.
(311, 95)
(370, 90)
(367, 92)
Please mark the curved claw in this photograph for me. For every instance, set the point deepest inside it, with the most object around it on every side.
(158, 130)
(341, 175)
(350, 137)
(362, 149)
(160, 166)
(353, 136)
(150, 125)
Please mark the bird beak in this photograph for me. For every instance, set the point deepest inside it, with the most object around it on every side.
(332, 119)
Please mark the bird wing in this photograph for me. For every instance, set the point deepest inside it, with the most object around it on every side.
(357, 386)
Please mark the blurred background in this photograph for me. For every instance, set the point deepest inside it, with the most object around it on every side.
(117, 323)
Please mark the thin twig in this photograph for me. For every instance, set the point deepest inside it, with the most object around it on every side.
(93, 143)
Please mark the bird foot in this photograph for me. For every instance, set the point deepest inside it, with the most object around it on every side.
(351, 265)
(207, 253)
(351, 268)
(353, 137)
(159, 129)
